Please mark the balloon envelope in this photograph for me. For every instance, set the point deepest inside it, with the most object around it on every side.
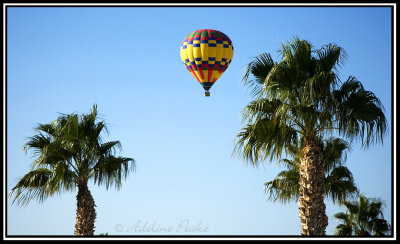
(206, 54)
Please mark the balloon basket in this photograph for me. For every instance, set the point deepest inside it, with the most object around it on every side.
(206, 93)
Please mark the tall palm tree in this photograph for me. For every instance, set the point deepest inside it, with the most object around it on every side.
(362, 218)
(299, 101)
(338, 180)
(69, 152)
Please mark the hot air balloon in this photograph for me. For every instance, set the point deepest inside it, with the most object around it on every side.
(206, 54)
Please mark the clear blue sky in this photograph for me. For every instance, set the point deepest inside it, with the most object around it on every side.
(127, 60)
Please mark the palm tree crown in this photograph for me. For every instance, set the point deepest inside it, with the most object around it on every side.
(300, 97)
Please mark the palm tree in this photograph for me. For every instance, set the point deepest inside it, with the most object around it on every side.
(299, 101)
(338, 180)
(362, 218)
(69, 152)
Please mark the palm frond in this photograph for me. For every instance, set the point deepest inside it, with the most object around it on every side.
(108, 148)
(31, 186)
(380, 227)
(360, 113)
(334, 152)
(36, 143)
(339, 185)
(330, 57)
(345, 228)
(316, 89)
(49, 129)
(112, 170)
(259, 68)
(284, 188)
(342, 216)
(282, 82)
(301, 51)
(289, 164)
(261, 108)
(264, 139)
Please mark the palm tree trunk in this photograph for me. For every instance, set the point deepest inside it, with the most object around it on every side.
(85, 212)
(311, 182)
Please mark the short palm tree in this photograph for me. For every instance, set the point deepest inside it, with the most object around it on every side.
(69, 152)
(362, 218)
(299, 101)
(338, 182)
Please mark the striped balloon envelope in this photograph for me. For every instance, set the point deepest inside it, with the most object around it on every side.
(206, 54)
